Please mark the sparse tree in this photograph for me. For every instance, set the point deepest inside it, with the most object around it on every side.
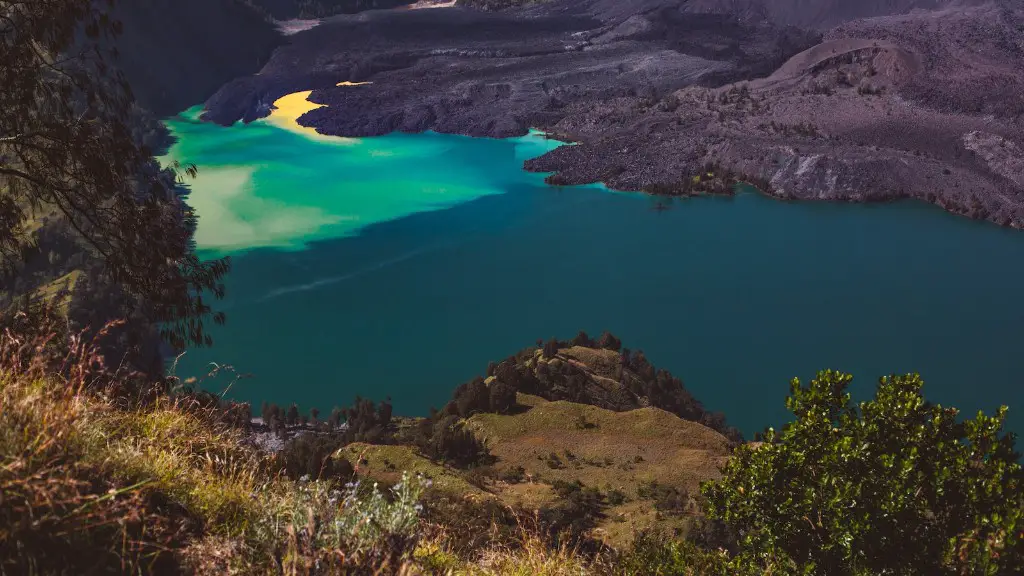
(551, 348)
(608, 341)
(335, 419)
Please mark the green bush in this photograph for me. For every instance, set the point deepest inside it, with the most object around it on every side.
(895, 485)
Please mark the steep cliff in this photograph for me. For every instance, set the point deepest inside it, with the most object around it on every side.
(176, 53)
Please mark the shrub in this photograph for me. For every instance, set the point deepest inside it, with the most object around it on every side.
(582, 339)
(554, 462)
(712, 535)
(668, 499)
(616, 497)
(359, 529)
(514, 475)
(502, 398)
(574, 515)
(608, 341)
(471, 398)
(312, 456)
(894, 485)
(551, 348)
(452, 442)
(368, 518)
(368, 422)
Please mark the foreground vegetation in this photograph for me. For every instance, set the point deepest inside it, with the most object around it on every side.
(96, 480)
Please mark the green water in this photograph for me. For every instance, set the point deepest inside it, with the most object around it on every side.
(401, 265)
(265, 187)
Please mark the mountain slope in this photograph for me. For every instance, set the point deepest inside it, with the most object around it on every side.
(176, 53)
(818, 14)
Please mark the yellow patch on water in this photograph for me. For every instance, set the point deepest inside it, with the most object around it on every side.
(347, 83)
(288, 109)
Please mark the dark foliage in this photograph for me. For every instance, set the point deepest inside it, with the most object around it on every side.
(311, 455)
(616, 497)
(667, 499)
(503, 398)
(368, 422)
(67, 148)
(446, 439)
(708, 534)
(470, 398)
(582, 339)
(477, 396)
(551, 348)
(577, 511)
(514, 475)
(608, 341)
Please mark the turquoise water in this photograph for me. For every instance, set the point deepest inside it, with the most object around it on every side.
(401, 265)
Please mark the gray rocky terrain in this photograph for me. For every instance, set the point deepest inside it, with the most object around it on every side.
(831, 100)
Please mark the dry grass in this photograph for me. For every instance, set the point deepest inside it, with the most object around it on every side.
(95, 484)
(58, 510)
(59, 288)
(526, 555)
(607, 450)
(643, 444)
(534, 558)
(598, 361)
(387, 463)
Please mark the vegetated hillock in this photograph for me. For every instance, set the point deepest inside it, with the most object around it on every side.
(590, 437)
(596, 372)
(640, 469)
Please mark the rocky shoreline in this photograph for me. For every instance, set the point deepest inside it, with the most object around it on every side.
(926, 105)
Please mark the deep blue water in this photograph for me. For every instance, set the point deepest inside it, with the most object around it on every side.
(735, 296)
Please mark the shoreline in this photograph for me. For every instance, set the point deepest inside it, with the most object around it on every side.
(287, 110)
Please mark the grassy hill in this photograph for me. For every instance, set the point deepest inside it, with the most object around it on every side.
(647, 464)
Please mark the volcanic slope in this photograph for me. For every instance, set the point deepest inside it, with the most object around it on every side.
(497, 74)
(914, 103)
